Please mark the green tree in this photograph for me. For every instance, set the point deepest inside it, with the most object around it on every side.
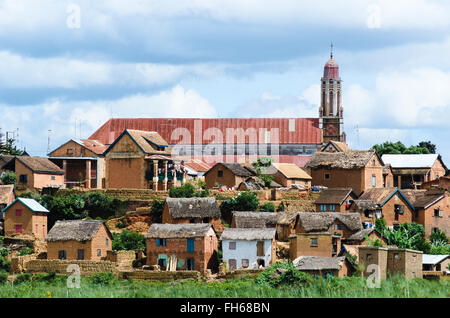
(388, 147)
(408, 235)
(157, 210)
(244, 201)
(187, 190)
(427, 144)
(9, 178)
(260, 166)
(8, 146)
(380, 225)
(267, 207)
(127, 240)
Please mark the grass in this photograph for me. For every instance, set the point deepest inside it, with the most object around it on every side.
(245, 288)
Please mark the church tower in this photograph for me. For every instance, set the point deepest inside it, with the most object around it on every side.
(331, 111)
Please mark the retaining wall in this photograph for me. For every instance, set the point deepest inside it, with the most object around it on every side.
(163, 276)
(60, 266)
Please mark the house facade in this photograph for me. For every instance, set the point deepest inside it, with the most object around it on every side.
(182, 247)
(335, 200)
(324, 266)
(229, 175)
(25, 217)
(82, 161)
(79, 240)
(248, 247)
(289, 174)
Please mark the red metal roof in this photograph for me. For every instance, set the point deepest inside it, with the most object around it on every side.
(331, 69)
(199, 130)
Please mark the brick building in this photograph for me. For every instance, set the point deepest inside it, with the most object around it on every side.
(335, 146)
(182, 247)
(359, 170)
(79, 240)
(435, 263)
(7, 196)
(388, 203)
(287, 222)
(141, 160)
(230, 175)
(335, 200)
(82, 161)
(411, 170)
(441, 183)
(25, 218)
(36, 172)
(250, 220)
(359, 238)
(248, 247)
(288, 174)
(192, 210)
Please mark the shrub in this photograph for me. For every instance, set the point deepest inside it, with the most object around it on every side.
(9, 178)
(22, 278)
(244, 201)
(281, 207)
(267, 207)
(127, 240)
(3, 278)
(380, 225)
(102, 278)
(201, 184)
(283, 275)
(187, 190)
(25, 251)
(4, 251)
(438, 238)
(5, 264)
(157, 210)
(120, 225)
(202, 194)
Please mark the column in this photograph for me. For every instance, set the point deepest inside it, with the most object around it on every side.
(65, 170)
(165, 175)
(399, 182)
(155, 175)
(88, 174)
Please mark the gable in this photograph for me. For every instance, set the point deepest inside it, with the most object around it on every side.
(124, 144)
(398, 196)
(72, 149)
(374, 162)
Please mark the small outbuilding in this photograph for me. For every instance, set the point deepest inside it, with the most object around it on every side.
(435, 263)
(324, 266)
(79, 240)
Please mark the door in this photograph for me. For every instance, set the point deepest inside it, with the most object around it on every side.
(81, 255)
(190, 264)
(260, 248)
(232, 264)
(18, 228)
(190, 245)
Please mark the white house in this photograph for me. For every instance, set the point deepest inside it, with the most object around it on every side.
(248, 247)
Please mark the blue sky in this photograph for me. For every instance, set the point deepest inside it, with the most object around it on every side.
(77, 63)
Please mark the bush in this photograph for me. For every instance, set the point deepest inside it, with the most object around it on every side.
(202, 194)
(3, 278)
(102, 278)
(9, 178)
(157, 210)
(22, 278)
(438, 238)
(187, 190)
(283, 275)
(4, 251)
(244, 201)
(267, 207)
(127, 240)
(25, 251)
(5, 264)
(120, 225)
(281, 207)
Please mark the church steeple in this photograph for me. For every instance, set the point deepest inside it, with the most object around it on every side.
(331, 110)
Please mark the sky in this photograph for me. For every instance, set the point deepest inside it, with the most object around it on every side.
(66, 67)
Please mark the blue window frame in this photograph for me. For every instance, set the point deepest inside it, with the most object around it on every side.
(190, 245)
(160, 242)
(323, 207)
(332, 207)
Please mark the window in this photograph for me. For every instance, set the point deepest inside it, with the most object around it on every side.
(374, 181)
(220, 174)
(323, 207)
(339, 226)
(373, 163)
(23, 178)
(99, 252)
(232, 264)
(396, 256)
(53, 178)
(314, 241)
(332, 207)
(18, 212)
(260, 248)
(438, 213)
(18, 228)
(368, 213)
(245, 263)
(106, 242)
(80, 255)
(62, 254)
(232, 246)
(327, 176)
(190, 264)
(399, 209)
(267, 135)
(190, 245)
(369, 257)
(161, 242)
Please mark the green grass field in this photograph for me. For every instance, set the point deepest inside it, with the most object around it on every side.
(332, 287)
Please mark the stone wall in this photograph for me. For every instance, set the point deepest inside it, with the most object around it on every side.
(237, 274)
(159, 275)
(60, 267)
(121, 258)
(19, 263)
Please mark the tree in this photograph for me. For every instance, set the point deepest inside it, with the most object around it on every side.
(267, 207)
(127, 240)
(244, 201)
(157, 210)
(8, 146)
(427, 144)
(408, 235)
(9, 178)
(424, 147)
(261, 165)
(187, 190)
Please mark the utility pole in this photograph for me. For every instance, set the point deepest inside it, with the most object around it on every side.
(48, 141)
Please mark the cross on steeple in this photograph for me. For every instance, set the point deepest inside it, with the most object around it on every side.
(331, 54)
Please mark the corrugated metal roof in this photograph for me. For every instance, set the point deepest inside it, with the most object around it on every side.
(433, 259)
(32, 204)
(410, 161)
(306, 131)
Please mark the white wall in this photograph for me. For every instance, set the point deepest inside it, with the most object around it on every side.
(246, 250)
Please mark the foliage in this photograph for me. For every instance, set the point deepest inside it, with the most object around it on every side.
(157, 210)
(244, 201)
(283, 274)
(440, 250)
(424, 147)
(25, 251)
(102, 278)
(438, 238)
(4, 251)
(9, 178)
(3, 278)
(22, 278)
(187, 190)
(408, 235)
(127, 240)
(267, 207)
(260, 166)
(5, 264)
(380, 225)
(374, 242)
(202, 193)
(281, 207)
(120, 225)
(8, 146)
(201, 184)
(100, 205)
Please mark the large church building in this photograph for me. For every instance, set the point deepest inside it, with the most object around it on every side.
(287, 140)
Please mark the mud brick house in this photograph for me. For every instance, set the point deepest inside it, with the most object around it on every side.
(359, 170)
(359, 238)
(256, 183)
(441, 183)
(286, 225)
(335, 200)
(388, 203)
(432, 209)
(192, 210)
(435, 263)
(254, 219)
(7, 196)
(225, 174)
(182, 247)
(141, 160)
(196, 169)
(25, 218)
(335, 146)
(82, 161)
(36, 172)
(324, 266)
(322, 233)
(288, 174)
(79, 240)
(248, 247)
(410, 171)
(391, 261)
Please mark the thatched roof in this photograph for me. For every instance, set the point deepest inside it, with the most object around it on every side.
(286, 218)
(179, 230)
(354, 159)
(365, 205)
(335, 196)
(299, 205)
(248, 234)
(76, 230)
(256, 183)
(361, 235)
(238, 169)
(6, 193)
(193, 207)
(315, 263)
(321, 221)
(270, 170)
(255, 219)
(36, 164)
